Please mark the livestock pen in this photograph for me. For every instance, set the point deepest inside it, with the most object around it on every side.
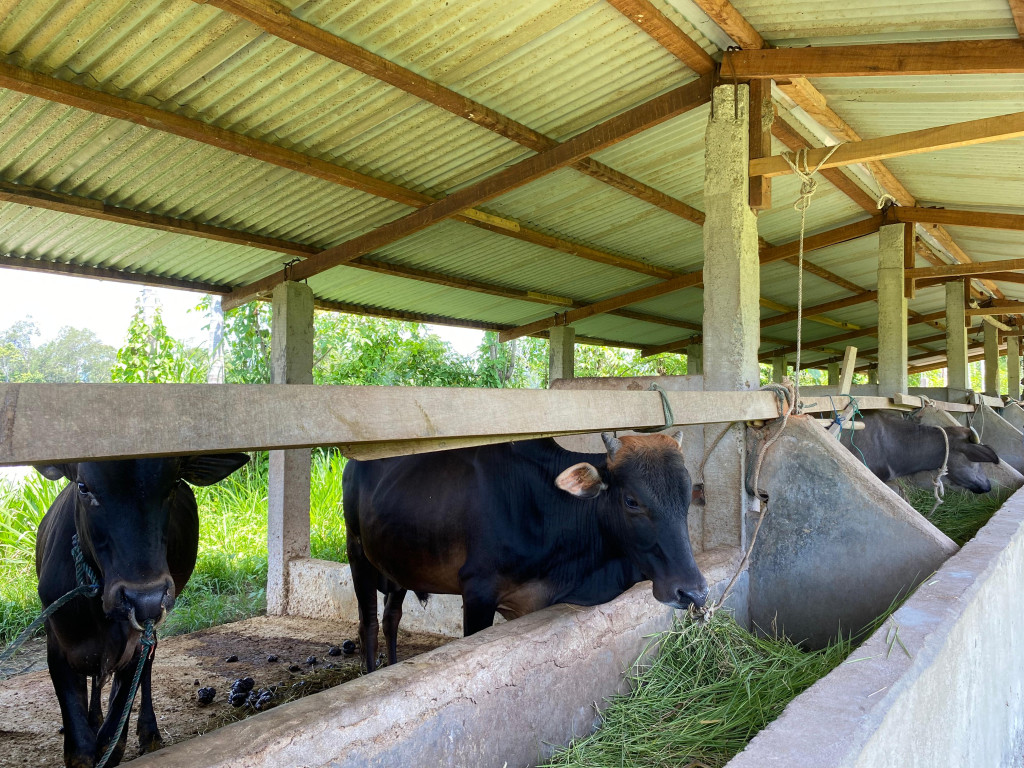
(610, 172)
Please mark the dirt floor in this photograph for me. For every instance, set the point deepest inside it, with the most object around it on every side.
(30, 718)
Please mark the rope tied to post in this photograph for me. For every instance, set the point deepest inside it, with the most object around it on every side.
(808, 186)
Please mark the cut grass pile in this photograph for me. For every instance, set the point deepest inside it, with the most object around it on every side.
(709, 690)
(961, 514)
(229, 582)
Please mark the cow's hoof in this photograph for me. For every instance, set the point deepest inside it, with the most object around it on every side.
(149, 742)
(115, 756)
(79, 761)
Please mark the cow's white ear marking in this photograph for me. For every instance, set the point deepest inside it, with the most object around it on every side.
(581, 480)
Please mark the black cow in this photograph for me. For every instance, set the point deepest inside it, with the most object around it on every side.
(138, 530)
(517, 527)
(893, 446)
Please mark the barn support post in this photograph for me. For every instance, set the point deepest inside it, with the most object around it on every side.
(873, 375)
(833, 374)
(695, 360)
(956, 335)
(561, 352)
(1013, 367)
(291, 362)
(778, 369)
(991, 345)
(732, 283)
(892, 311)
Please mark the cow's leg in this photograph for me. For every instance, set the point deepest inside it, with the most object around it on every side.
(96, 703)
(70, 687)
(149, 735)
(365, 579)
(391, 620)
(119, 691)
(478, 607)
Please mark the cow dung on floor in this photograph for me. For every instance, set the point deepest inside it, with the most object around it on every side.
(30, 717)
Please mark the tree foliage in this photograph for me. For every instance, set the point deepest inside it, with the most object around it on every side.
(150, 355)
(75, 354)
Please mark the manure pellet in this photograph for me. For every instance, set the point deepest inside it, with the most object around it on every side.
(232, 658)
(348, 647)
(311, 660)
(334, 651)
(272, 658)
(294, 668)
(206, 695)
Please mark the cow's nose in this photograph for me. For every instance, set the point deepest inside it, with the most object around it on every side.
(148, 602)
(695, 596)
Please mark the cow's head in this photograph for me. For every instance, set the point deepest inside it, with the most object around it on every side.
(966, 454)
(122, 512)
(643, 498)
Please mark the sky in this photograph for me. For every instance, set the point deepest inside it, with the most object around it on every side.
(106, 308)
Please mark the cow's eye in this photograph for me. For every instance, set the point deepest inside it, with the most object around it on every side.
(632, 503)
(83, 488)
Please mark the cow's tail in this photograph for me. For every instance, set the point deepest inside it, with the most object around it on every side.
(423, 597)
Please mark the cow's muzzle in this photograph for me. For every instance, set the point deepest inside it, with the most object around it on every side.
(140, 603)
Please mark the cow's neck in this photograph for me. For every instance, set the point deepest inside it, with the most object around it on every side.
(928, 455)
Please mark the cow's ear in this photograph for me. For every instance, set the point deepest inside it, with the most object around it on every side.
(211, 468)
(581, 480)
(980, 452)
(56, 471)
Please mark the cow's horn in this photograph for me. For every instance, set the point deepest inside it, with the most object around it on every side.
(975, 437)
(678, 437)
(612, 443)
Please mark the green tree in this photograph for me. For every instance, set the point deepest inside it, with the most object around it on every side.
(76, 354)
(150, 355)
(16, 351)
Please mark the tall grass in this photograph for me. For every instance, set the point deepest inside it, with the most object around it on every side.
(962, 513)
(229, 582)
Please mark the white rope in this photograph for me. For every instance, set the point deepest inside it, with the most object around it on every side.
(937, 487)
(808, 186)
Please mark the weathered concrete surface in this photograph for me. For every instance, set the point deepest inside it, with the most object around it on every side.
(1001, 474)
(954, 698)
(834, 372)
(779, 369)
(892, 310)
(1004, 438)
(499, 698)
(837, 546)
(732, 312)
(693, 436)
(561, 352)
(1014, 414)
(291, 362)
(956, 336)
(695, 360)
(1013, 367)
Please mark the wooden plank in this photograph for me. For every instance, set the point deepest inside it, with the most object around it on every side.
(638, 189)
(813, 318)
(977, 398)
(645, 15)
(846, 370)
(1017, 9)
(982, 219)
(762, 115)
(818, 309)
(975, 268)
(957, 57)
(834, 236)
(1000, 307)
(909, 259)
(996, 277)
(618, 128)
(102, 273)
(104, 421)
(964, 134)
(732, 22)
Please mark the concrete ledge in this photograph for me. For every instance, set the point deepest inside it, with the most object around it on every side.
(956, 699)
(1004, 438)
(499, 698)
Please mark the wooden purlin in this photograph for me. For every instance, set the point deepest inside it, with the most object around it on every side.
(1017, 9)
(621, 127)
(960, 218)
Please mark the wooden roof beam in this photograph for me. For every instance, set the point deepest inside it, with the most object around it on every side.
(621, 127)
(652, 21)
(964, 270)
(102, 273)
(956, 57)
(981, 219)
(1017, 9)
(964, 134)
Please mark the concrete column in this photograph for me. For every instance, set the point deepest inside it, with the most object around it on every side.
(695, 360)
(892, 312)
(873, 375)
(291, 362)
(956, 336)
(833, 374)
(991, 360)
(1013, 367)
(561, 352)
(779, 369)
(732, 286)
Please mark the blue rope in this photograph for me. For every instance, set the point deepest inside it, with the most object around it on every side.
(88, 586)
(147, 642)
(838, 419)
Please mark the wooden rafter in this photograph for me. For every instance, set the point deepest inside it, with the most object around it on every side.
(997, 307)
(819, 309)
(1017, 9)
(957, 57)
(621, 127)
(652, 21)
(982, 219)
(899, 145)
(80, 270)
(277, 20)
(975, 268)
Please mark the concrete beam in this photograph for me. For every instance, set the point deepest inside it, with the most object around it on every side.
(1013, 367)
(892, 310)
(834, 373)
(956, 335)
(561, 352)
(991, 338)
(695, 360)
(732, 280)
(291, 362)
(837, 546)
(1004, 438)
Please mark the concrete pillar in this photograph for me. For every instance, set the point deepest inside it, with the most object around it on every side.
(991, 360)
(892, 312)
(1013, 367)
(561, 352)
(695, 360)
(833, 374)
(732, 286)
(291, 362)
(873, 375)
(779, 369)
(956, 336)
